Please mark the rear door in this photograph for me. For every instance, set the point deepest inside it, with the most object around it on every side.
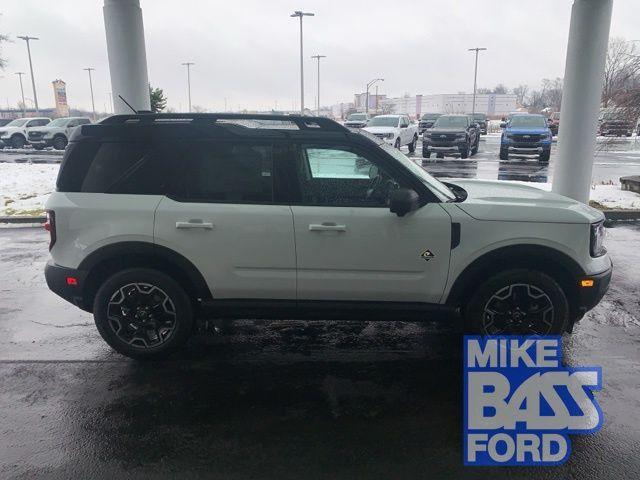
(350, 246)
(225, 215)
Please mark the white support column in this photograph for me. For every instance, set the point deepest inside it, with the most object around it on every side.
(127, 55)
(583, 77)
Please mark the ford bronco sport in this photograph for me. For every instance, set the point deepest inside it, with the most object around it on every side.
(161, 221)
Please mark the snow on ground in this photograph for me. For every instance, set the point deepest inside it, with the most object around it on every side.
(24, 187)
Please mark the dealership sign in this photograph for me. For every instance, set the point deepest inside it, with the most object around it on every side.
(521, 403)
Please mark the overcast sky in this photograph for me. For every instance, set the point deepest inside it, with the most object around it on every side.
(248, 52)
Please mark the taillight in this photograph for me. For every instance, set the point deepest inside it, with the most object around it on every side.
(50, 226)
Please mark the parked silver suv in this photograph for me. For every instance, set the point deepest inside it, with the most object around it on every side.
(55, 134)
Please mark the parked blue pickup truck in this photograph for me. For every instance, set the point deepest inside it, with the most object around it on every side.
(526, 134)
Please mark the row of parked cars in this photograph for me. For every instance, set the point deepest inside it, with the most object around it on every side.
(39, 132)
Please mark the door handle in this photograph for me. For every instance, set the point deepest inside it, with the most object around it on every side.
(195, 224)
(327, 227)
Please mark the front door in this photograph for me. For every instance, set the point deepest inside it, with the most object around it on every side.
(349, 246)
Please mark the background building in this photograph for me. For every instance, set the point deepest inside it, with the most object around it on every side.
(491, 104)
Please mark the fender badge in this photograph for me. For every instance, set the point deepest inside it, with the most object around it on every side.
(427, 255)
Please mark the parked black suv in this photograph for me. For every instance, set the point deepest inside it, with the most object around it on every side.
(481, 120)
(427, 121)
(451, 135)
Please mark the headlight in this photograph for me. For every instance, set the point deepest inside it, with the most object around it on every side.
(427, 134)
(598, 234)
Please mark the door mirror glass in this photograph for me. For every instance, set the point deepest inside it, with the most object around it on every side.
(403, 201)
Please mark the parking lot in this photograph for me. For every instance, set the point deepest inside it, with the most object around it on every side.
(285, 399)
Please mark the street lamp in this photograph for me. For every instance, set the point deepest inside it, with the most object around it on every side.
(188, 65)
(366, 108)
(475, 77)
(26, 38)
(300, 14)
(318, 57)
(93, 105)
(24, 105)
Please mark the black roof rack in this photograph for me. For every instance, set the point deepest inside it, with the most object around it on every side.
(299, 121)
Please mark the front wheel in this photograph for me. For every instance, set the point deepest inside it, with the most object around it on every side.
(517, 302)
(59, 143)
(504, 154)
(17, 141)
(143, 313)
(397, 143)
(464, 151)
(545, 156)
(425, 153)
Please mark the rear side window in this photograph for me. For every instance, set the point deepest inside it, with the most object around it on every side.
(227, 173)
(111, 163)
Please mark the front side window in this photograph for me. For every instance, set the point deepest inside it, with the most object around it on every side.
(342, 178)
(38, 123)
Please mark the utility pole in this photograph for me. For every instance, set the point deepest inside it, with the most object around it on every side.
(27, 38)
(318, 57)
(111, 102)
(366, 108)
(188, 65)
(24, 105)
(376, 99)
(475, 77)
(93, 105)
(300, 14)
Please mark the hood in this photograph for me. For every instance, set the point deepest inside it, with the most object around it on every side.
(380, 129)
(10, 129)
(515, 202)
(40, 129)
(355, 122)
(528, 131)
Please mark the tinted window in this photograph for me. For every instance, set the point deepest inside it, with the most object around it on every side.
(111, 163)
(37, 123)
(228, 173)
(384, 122)
(452, 122)
(535, 121)
(340, 177)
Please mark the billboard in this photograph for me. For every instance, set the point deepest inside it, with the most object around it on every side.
(60, 98)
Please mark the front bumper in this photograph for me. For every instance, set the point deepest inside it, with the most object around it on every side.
(589, 297)
(57, 281)
(443, 147)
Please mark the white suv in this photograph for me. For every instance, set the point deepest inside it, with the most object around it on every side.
(396, 130)
(14, 134)
(161, 221)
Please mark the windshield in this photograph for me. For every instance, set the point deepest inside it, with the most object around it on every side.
(479, 116)
(451, 122)
(18, 122)
(357, 116)
(430, 116)
(58, 122)
(384, 122)
(527, 121)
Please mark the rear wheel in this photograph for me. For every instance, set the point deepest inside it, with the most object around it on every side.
(412, 145)
(518, 302)
(143, 313)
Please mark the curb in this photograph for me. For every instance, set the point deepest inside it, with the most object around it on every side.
(22, 220)
(30, 151)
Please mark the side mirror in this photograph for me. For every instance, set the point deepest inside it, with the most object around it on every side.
(403, 201)
(503, 125)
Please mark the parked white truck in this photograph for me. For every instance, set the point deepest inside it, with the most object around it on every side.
(396, 130)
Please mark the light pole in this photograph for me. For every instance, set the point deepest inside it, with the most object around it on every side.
(24, 105)
(188, 65)
(93, 105)
(475, 77)
(366, 108)
(300, 14)
(27, 38)
(318, 57)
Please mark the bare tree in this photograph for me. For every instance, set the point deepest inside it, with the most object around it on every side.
(500, 89)
(521, 93)
(3, 61)
(622, 70)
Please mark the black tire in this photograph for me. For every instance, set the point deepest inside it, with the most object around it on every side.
(38, 147)
(511, 301)
(474, 149)
(154, 295)
(397, 143)
(17, 141)
(464, 151)
(545, 156)
(425, 153)
(412, 145)
(59, 143)
(504, 154)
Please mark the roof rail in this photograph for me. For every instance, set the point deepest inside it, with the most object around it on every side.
(302, 122)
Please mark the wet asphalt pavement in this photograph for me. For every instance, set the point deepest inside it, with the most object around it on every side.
(287, 399)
